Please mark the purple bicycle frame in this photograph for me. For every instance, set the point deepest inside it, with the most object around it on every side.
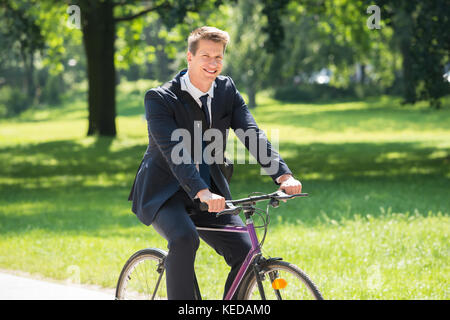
(254, 251)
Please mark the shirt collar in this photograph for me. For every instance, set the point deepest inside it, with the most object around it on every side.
(186, 85)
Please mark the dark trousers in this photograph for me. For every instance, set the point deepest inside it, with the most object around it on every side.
(176, 221)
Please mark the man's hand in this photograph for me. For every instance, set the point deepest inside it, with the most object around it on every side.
(215, 202)
(289, 184)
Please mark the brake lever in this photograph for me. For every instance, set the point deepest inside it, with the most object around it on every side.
(203, 206)
(232, 209)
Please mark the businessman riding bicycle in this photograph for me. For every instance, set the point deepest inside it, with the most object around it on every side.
(166, 192)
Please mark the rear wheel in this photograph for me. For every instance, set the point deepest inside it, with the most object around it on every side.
(280, 281)
(143, 276)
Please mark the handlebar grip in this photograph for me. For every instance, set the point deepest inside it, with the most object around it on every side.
(281, 195)
(230, 210)
(203, 206)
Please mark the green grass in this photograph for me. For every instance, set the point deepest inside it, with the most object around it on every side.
(375, 226)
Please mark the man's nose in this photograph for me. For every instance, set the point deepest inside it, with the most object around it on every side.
(213, 63)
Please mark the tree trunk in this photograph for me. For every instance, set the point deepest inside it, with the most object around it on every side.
(98, 36)
(28, 66)
(403, 29)
(362, 73)
(251, 96)
(409, 84)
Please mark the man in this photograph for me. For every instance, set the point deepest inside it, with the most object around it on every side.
(166, 193)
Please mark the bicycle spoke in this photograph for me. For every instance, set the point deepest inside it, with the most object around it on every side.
(143, 278)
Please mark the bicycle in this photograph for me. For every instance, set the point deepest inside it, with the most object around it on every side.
(258, 278)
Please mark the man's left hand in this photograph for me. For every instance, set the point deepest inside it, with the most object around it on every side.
(290, 185)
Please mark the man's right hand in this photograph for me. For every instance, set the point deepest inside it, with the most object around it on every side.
(215, 202)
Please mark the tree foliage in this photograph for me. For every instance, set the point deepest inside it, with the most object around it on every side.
(422, 33)
(275, 44)
(249, 57)
(21, 39)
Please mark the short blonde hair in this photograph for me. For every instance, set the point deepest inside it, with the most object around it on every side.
(207, 33)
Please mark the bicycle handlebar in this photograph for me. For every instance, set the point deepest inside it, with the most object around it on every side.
(235, 210)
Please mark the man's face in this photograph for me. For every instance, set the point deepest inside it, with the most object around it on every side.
(206, 64)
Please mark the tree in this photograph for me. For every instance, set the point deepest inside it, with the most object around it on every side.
(249, 59)
(330, 38)
(418, 30)
(422, 30)
(21, 35)
(98, 20)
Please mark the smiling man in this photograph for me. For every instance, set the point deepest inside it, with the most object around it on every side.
(166, 193)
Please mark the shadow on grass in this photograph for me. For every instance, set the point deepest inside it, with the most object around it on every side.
(67, 158)
(350, 179)
(131, 105)
(77, 210)
(68, 187)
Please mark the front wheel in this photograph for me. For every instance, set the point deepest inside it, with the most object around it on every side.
(280, 281)
(142, 276)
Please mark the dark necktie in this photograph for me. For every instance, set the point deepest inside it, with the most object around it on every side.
(203, 167)
(204, 100)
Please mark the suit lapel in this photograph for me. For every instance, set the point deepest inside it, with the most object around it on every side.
(215, 107)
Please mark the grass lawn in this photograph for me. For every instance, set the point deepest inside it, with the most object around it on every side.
(375, 226)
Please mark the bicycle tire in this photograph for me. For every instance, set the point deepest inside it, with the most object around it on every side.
(150, 263)
(300, 285)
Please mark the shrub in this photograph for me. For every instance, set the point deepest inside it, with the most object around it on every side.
(312, 92)
(13, 101)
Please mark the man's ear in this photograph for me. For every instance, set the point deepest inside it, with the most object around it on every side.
(189, 56)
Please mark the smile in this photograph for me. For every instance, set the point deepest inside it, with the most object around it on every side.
(210, 71)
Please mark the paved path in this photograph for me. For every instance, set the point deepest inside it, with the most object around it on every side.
(13, 287)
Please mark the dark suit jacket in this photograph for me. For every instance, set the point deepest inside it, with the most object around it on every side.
(168, 108)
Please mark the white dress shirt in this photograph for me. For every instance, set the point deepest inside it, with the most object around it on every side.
(186, 85)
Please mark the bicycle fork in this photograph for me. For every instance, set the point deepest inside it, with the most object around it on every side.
(160, 269)
(260, 277)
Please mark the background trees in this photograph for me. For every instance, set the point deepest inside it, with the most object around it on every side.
(422, 35)
(99, 19)
(301, 51)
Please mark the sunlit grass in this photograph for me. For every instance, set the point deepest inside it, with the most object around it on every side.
(374, 227)
(393, 256)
